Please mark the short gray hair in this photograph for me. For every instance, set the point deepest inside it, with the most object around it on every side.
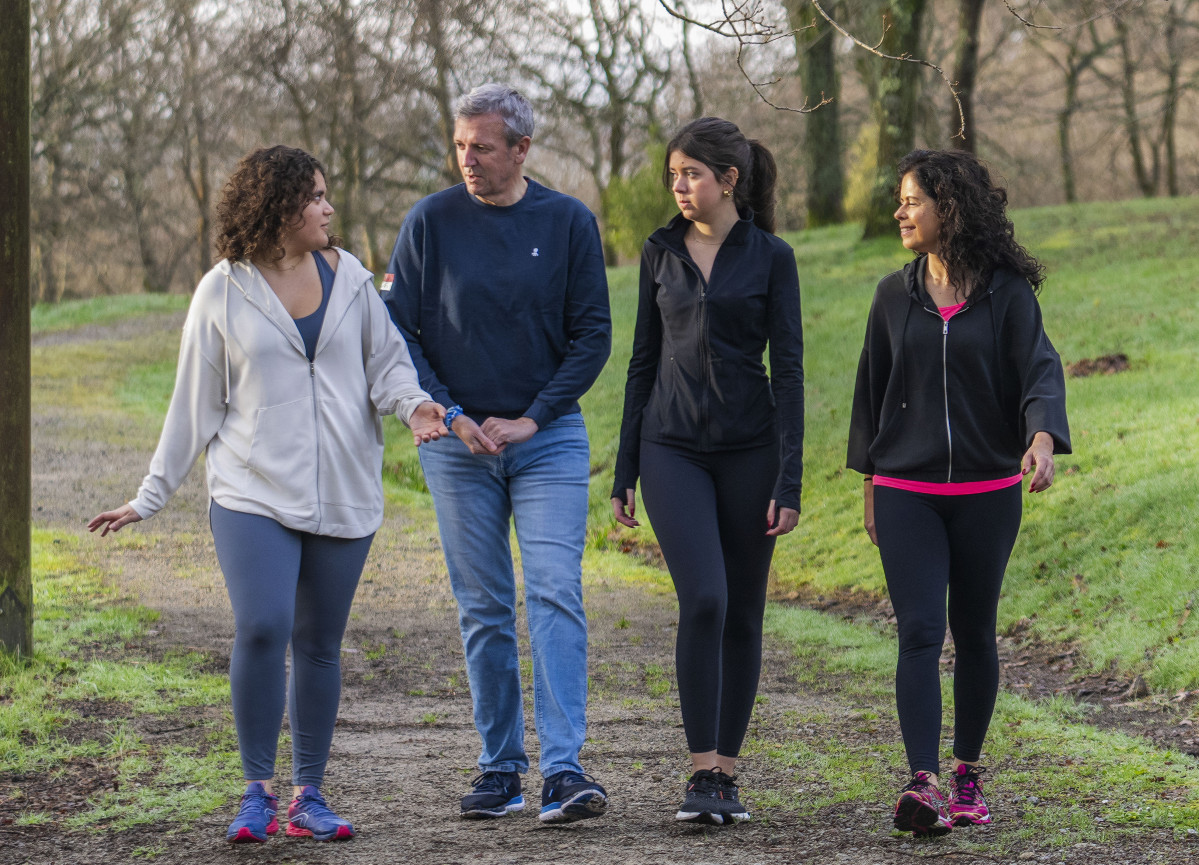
(503, 100)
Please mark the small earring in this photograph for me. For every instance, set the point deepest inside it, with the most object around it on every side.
(728, 193)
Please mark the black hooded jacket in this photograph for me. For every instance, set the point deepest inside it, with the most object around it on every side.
(696, 377)
(958, 400)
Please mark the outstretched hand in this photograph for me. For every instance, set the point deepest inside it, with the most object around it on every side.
(113, 521)
(625, 510)
(1040, 455)
(782, 521)
(427, 423)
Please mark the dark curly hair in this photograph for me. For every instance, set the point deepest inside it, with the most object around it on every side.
(262, 199)
(720, 145)
(976, 237)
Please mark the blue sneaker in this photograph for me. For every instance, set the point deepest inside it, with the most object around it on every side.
(309, 817)
(570, 796)
(255, 818)
(494, 794)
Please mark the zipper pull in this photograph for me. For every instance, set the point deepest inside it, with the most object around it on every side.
(945, 329)
(311, 369)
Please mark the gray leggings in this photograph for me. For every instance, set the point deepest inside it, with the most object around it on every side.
(286, 586)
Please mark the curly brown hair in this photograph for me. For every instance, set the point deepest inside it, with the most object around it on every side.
(976, 237)
(261, 201)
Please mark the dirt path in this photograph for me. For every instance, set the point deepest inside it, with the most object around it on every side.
(405, 747)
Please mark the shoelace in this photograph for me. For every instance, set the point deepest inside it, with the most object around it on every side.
(251, 798)
(724, 782)
(966, 785)
(489, 782)
(703, 781)
(919, 782)
(314, 805)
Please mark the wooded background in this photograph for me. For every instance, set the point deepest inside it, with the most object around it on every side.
(141, 108)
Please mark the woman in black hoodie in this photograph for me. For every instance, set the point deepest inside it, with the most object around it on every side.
(717, 443)
(959, 394)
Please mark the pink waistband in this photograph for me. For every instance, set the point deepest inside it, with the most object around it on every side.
(952, 489)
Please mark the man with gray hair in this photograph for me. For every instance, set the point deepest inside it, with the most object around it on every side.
(498, 286)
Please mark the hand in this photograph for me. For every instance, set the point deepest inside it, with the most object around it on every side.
(509, 432)
(625, 514)
(868, 501)
(112, 521)
(788, 519)
(1040, 454)
(427, 423)
(474, 437)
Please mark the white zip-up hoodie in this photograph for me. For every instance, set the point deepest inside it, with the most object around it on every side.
(297, 442)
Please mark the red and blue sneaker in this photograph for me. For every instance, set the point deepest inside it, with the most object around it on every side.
(309, 817)
(921, 808)
(967, 805)
(255, 819)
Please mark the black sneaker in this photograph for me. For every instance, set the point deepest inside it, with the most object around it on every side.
(701, 804)
(570, 796)
(727, 799)
(494, 795)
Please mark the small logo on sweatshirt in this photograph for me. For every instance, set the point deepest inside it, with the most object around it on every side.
(388, 281)
(536, 254)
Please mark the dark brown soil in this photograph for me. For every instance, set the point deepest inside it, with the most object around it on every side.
(1105, 365)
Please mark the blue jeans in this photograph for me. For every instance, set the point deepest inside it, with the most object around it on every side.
(541, 485)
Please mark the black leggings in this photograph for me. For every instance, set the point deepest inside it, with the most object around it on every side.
(932, 546)
(709, 513)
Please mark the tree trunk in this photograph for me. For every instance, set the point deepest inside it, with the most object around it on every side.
(1146, 180)
(16, 588)
(895, 108)
(1065, 150)
(965, 70)
(1170, 98)
(816, 43)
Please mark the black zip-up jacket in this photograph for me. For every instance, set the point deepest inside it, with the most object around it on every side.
(958, 400)
(696, 377)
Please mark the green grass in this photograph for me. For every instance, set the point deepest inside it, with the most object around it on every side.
(1078, 771)
(50, 317)
(82, 662)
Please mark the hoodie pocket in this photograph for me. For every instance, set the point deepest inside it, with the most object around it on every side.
(283, 456)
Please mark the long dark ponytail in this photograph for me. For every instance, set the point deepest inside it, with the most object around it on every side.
(720, 145)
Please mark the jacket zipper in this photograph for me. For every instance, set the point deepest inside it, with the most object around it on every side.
(316, 426)
(705, 361)
(945, 390)
(945, 383)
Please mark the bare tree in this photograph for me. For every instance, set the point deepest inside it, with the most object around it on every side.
(69, 56)
(600, 71)
(142, 125)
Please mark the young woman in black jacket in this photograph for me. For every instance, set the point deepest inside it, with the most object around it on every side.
(717, 443)
(959, 394)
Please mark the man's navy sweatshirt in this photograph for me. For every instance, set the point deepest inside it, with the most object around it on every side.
(505, 309)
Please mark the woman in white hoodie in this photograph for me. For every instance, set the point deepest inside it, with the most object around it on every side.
(287, 361)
